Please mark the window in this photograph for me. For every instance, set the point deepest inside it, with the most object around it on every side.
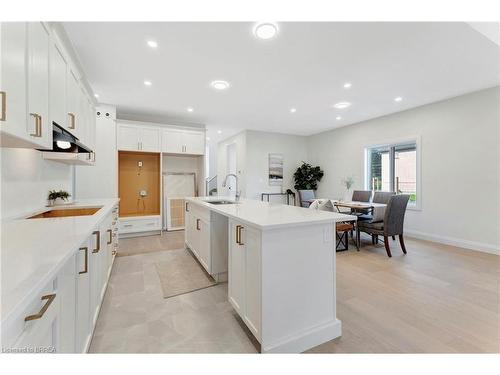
(394, 167)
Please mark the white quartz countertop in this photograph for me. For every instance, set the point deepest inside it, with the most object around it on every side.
(265, 215)
(33, 250)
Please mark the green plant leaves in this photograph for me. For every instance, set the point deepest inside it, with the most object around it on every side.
(307, 177)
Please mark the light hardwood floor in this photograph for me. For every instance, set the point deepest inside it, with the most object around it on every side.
(436, 299)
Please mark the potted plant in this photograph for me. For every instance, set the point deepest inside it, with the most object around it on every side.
(55, 195)
(307, 177)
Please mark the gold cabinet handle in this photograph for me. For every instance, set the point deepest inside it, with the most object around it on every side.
(3, 115)
(72, 120)
(86, 267)
(50, 298)
(197, 224)
(98, 238)
(38, 125)
(110, 235)
(238, 234)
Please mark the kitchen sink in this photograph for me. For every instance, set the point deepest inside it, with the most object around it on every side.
(66, 212)
(222, 202)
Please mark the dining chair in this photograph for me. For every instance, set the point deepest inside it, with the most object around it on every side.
(361, 195)
(378, 197)
(306, 197)
(392, 224)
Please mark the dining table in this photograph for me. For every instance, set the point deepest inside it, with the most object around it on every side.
(375, 210)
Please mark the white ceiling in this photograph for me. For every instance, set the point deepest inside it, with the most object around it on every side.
(304, 67)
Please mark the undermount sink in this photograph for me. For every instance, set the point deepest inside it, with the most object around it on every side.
(66, 212)
(222, 202)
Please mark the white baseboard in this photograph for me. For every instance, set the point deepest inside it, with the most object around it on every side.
(466, 244)
(308, 339)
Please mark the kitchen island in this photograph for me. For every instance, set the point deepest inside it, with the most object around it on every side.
(280, 264)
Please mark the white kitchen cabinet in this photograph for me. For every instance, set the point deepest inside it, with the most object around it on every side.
(39, 125)
(244, 279)
(24, 120)
(179, 141)
(205, 234)
(138, 138)
(95, 266)
(83, 331)
(74, 111)
(66, 281)
(57, 87)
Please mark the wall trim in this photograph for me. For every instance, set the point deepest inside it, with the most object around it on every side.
(458, 242)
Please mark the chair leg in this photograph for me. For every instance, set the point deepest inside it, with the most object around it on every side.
(402, 243)
(386, 243)
(394, 238)
(373, 239)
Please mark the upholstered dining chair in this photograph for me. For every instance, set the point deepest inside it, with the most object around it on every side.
(306, 197)
(378, 197)
(392, 224)
(361, 195)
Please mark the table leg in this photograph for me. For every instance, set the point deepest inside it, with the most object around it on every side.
(358, 236)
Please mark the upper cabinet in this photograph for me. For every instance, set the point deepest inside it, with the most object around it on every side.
(138, 138)
(39, 87)
(179, 141)
(24, 120)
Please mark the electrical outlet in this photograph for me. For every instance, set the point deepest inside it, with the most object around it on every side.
(139, 164)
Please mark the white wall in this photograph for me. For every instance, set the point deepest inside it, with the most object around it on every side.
(240, 141)
(259, 146)
(187, 164)
(27, 178)
(460, 165)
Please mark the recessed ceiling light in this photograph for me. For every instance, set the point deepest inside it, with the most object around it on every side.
(293, 110)
(398, 99)
(147, 83)
(190, 109)
(220, 85)
(96, 96)
(338, 118)
(152, 43)
(342, 105)
(265, 30)
(347, 85)
(219, 131)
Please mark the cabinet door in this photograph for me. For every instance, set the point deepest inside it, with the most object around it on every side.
(74, 120)
(204, 244)
(150, 139)
(172, 141)
(194, 143)
(83, 305)
(252, 314)
(95, 274)
(39, 125)
(57, 87)
(128, 138)
(13, 89)
(236, 269)
(66, 281)
(188, 223)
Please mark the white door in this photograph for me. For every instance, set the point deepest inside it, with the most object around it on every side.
(150, 139)
(236, 268)
(194, 142)
(172, 141)
(66, 281)
(13, 90)
(39, 126)
(188, 234)
(57, 87)
(128, 138)
(252, 315)
(83, 305)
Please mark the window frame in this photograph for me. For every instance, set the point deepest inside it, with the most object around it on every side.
(394, 143)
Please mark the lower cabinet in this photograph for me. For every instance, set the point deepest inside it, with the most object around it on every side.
(62, 317)
(244, 274)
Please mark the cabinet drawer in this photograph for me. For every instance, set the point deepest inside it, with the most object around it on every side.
(142, 224)
(18, 332)
(198, 211)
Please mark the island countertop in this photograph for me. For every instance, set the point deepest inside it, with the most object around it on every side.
(265, 215)
(33, 250)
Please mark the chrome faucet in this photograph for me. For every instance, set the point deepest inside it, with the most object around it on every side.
(238, 193)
